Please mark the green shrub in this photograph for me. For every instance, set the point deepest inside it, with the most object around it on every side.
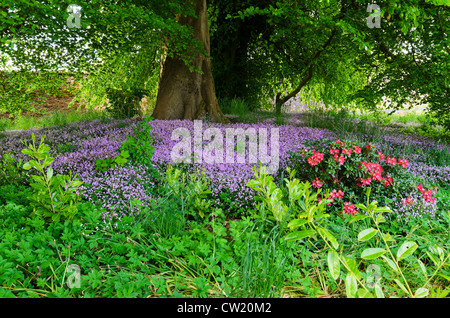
(11, 171)
(124, 104)
(54, 197)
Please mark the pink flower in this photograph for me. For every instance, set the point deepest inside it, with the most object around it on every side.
(381, 155)
(356, 149)
(317, 184)
(365, 182)
(403, 162)
(316, 158)
(350, 209)
(392, 160)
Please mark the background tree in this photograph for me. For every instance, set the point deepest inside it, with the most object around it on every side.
(320, 50)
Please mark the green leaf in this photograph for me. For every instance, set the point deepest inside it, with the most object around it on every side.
(334, 264)
(296, 223)
(298, 235)
(447, 277)
(362, 293)
(380, 219)
(378, 291)
(423, 268)
(390, 263)
(372, 253)
(352, 266)
(367, 234)
(358, 218)
(48, 161)
(351, 285)
(406, 250)
(421, 293)
(49, 173)
(329, 237)
(401, 286)
(433, 258)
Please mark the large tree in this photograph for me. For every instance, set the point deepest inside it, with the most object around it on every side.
(184, 93)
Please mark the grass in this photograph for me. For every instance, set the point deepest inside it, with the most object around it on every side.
(57, 118)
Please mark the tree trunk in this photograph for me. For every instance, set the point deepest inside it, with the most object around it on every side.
(184, 94)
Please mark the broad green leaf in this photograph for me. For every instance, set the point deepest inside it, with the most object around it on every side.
(329, 237)
(388, 237)
(367, 234)
(334, 264)
(423, 268)
(406, 249)
(433, 258)
(380, 218)
(378, 291)
(401, 286)
(390, 263)
(296, 223)
(421, 293)
(372, 253)
(49, 173)
(352, 265)
(447, 277)
(362, 293)
(351, 285)
(47, 162)
(27, 166)
(298, 235)
(358, 218)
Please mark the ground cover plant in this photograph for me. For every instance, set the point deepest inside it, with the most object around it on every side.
(340, 218)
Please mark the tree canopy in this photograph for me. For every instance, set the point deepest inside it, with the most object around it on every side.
(339, 52)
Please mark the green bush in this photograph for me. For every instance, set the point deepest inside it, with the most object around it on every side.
(124, 104)
(54, 197)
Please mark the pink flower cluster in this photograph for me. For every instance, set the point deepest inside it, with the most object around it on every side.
(350, 209)
(428, 194)
(316, 158)
(317, 183)
(393, 161)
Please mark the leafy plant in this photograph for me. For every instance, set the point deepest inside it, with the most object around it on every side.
(11, 170)
(111, 163)
(54, 197)
(124, 103)
(140, 145)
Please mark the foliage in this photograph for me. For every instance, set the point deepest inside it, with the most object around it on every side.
(11, 170)
(140, 146)
(22, 91)
(351, 167)
(54, 197)
(111, 163)
(308, 222)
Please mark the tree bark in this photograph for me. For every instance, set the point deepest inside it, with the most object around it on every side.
(183, 94)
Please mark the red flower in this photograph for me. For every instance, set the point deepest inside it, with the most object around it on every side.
(317, 184)
(356, 149)
(316, 158)
(350, 209)
(334, 151)
(392, 160)
(381, 155)
(365, 182)
(403, 162)
(346, 151)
